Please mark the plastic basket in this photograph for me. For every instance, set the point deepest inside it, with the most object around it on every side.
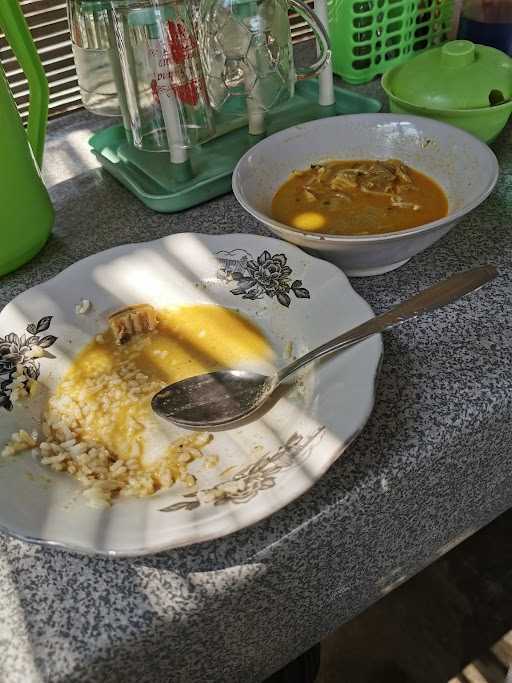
(370, 36)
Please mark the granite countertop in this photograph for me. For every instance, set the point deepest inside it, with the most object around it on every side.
(432, 466)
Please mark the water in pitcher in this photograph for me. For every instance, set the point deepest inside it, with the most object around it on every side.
(98, 87)
(96, 59)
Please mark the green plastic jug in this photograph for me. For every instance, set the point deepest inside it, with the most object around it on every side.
(26, 213)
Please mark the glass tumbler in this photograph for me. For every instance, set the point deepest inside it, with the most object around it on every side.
(165, 88)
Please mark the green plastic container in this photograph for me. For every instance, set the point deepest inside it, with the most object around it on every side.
(466, 85)
(370, 36)
(26, 213)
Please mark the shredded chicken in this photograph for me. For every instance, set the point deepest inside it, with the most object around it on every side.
(399, 170)
(385, 178)
(380, 179)
(344, 181)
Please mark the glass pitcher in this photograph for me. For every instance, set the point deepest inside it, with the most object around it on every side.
(247, 51)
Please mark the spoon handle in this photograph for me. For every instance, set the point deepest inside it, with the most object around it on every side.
(443, 293)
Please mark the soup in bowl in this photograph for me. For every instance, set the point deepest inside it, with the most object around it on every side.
(368, 197)
(453, 171)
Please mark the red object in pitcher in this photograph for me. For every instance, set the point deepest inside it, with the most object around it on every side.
(185, 60)
(183, 46)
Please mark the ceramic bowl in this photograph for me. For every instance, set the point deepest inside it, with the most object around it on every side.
(464, 166)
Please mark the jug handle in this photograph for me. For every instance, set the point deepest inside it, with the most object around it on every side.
(19, 38)
(321, 36)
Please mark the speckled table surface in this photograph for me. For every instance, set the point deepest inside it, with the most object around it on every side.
(432, 466)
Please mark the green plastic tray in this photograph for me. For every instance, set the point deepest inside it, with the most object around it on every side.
(149, 175)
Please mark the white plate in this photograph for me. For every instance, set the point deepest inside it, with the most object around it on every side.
(277, 458)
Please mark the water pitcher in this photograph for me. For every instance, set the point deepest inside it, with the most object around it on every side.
(26, 214)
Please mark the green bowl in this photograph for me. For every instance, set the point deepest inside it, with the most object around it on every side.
(485, 123)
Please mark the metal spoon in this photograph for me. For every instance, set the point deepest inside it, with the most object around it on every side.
(219, 398)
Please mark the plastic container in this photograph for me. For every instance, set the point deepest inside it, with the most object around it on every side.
(370, 36)
(466, 85)
(26, 212)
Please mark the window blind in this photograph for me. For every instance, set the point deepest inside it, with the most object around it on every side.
(47, 20)
(300, 29)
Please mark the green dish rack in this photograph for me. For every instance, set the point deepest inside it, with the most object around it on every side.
(149, 176)
(368, 37)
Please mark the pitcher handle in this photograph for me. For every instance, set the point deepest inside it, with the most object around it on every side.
(321, 36)
(19, 38)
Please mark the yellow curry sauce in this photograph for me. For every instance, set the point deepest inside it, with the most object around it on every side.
(358, 197)
(188, 341)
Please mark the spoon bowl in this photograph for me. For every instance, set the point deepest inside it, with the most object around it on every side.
(213, 399)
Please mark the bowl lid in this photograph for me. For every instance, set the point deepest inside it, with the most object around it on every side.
(457, 75)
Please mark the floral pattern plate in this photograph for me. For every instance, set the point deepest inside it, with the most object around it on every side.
(297, 300)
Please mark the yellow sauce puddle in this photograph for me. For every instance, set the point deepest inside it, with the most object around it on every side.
(188, 341)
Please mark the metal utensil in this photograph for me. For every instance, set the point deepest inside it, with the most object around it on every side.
(219, 398)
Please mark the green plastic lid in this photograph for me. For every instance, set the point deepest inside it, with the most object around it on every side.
(458, 75)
